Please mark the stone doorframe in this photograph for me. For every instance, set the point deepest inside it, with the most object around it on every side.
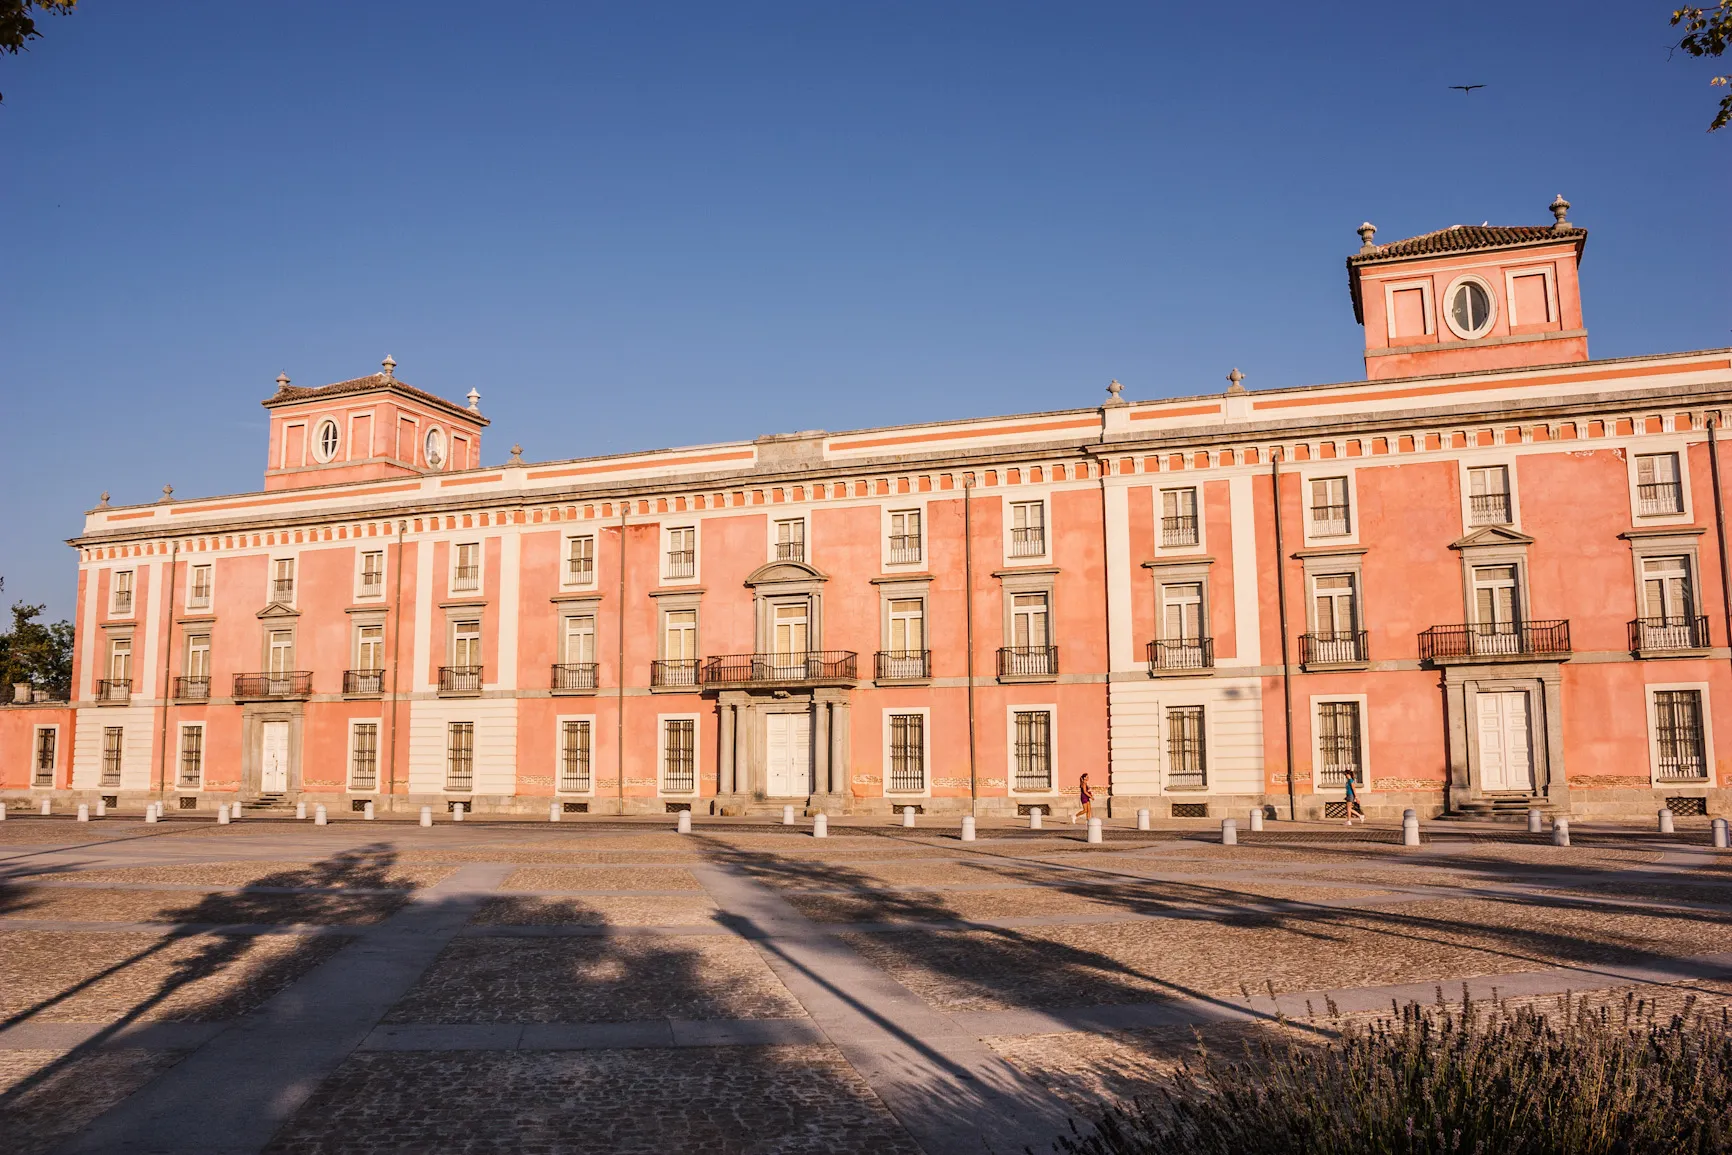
(741, 761)
(253, 715)
(1544, 683)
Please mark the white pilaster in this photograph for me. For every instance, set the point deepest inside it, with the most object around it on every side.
(1115, 509)
(1247, 627)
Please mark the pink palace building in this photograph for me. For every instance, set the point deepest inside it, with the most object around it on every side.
(1490, 574)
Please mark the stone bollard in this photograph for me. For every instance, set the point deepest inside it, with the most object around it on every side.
(908, 816)
(83, 812)
(102, 808)
(1720, 834)
(426, 816)
(367, 810)
(150, 813)
(1536, 822)
(234, 810)
(685, 822)
(1229, 832)
(787, 816)
(1666, 820)
(47, 807)
(2, 811)
(223, 814)
(1410, 830)
(1094, 830)
(1143, 819)
(300, 810)
(820, 827)
(1256, 818)
(1034, 818)
(1408, 815)
(968, 828)
(1560, 832)
(320, 818)
(554, 810)
(457, 809)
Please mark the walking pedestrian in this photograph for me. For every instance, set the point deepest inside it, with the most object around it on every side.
(1086, 797)
(1353, 803)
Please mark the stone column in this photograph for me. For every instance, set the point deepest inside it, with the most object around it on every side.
(725, 759)
(821, 748)
(742, 761)
(839, 747)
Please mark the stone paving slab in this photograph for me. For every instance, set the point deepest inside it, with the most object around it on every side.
(77, 926)
(567, 879)
(143, 1036)
(375, 872)
(46, 1096)
(592, 1036)
(24, 903)
(616, 910)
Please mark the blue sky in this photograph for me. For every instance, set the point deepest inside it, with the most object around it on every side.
(638, 225)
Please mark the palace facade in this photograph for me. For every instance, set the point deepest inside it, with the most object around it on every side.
(1491, 574)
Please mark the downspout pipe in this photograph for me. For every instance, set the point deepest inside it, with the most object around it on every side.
(619, 678)
(167, 658)
(968, 614)
(1286, 644)
(1720, 526)
(396, 657)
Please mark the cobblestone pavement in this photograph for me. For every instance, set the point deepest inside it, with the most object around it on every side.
(612, 986)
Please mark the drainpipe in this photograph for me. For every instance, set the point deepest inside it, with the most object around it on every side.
(396, 655)
(968, 608)
(1286, 657)
(168, 655)
(1720, 527)
(619, 676)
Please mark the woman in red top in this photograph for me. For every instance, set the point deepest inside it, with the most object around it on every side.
(1086, 797)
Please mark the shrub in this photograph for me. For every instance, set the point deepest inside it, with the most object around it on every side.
(1473, 1079)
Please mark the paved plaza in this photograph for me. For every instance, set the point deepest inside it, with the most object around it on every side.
(614, 986)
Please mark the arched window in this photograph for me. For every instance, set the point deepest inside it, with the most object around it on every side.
(325, 440)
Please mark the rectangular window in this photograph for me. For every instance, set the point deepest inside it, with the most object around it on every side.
(460, 756)
(1179, 517)
(580, 640)
(907, 753)
(1496, 607)
(198, 656)
(1666, 598)
(191, 757)
(1182, 611)
(904, 536)
(283, 580)
(120, 666)
(1336, 636)
(679, 756)
(199, 588)
(364, 756)
(1186, 759)
(681, 642)
(1659, 485)
(466, 645)
(574, 755)
(47, 751)
(907, 626)
(1678, 733)
(682, 552)
(1329, 513)
(791, 633)
(579, 561)
(1029, 621)
(113, 741)
(466, 568)
(1033, 750)
(282, 653)
(373, 573)
(122, 592)
(1488, 500)
(370, 648)
(791, 540)
(1027, 529)
(1338, 744)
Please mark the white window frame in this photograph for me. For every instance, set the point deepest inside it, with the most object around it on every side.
(191, 573)
(1491, 301)
(771, 546)
(1161, 548)
(190, 647)
(1317, 703)
(1549, 272)
(378, 725)
(565, 578)
(925, 713)
(132, 657)
(294, 560)
(662, 721)
(1426, 289)
(316, 438)
(180, 754)
(887, 560)
(1009, 505)
(479, 588)
(361, 555)
(1212, 771)
(559, 722)
(1466, 466)
(35, 745)
(1710, 780)
(1011, 710)
(114, 610)
(1325, 471)
(1676, 448)
(664, 567)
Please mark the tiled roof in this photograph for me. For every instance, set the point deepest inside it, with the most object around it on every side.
(1466, 238)
(364, 384)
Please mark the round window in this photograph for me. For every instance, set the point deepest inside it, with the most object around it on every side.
(435, 452)
(1470, 310)
(325, 440)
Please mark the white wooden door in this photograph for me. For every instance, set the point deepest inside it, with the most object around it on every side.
(1505, 744)
(788, 755)
(274, 775)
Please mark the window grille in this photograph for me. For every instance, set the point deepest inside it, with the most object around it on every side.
(47, 743)
(191, 756)
(113, 738)
(1678, 733)
(907, 752)
(1186, 762)
(1338, 744)
(460, 756)
(679, 756)
(574, 756)
(1033, 750)
(364, 770)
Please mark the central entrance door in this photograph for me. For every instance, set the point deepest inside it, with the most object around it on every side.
(1505, 747)
(274, 760)
(788, 755)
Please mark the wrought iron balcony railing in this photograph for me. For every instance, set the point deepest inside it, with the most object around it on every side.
(360, 682)
(1478, 641)
(682, 563)
(904, 548)
(571, 676)
(808, 666)
(192, 689)
(460, 679)
(1181, 654)
(909, 665)
(1328, 649)
(114, 690)
(1028, 662)
(280, 684)
(674, 672)
(1669, 633)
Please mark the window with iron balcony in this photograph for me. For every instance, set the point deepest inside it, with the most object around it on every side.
(1330, 516)
(199, 588)
(372, 573)
(466, 572)
(1659, 485)
(904, 536)
(283, 580)
(580, 561)
(1488, 499)
(682, 559)
(791, 540)
(1028, 529)
(122, 593)
(1179, 517)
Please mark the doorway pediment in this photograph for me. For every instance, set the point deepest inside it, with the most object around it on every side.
(1491, 537)
(785, 573)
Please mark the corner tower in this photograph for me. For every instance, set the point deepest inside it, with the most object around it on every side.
(1470, 297)
(366, 428)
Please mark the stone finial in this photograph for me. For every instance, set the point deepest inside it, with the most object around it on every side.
(103, 502)
(168, 493)
(390, 365)
(1235, 381)
(1113, 391)
(516, 455)
(1559, 207)
(474, 399)
(1366, 232)
(282, 382)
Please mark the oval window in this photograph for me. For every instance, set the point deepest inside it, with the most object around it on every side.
(1470, 309)
(325, 440)
(435, 452)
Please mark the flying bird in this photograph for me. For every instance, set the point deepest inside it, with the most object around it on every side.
(1467, 87)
